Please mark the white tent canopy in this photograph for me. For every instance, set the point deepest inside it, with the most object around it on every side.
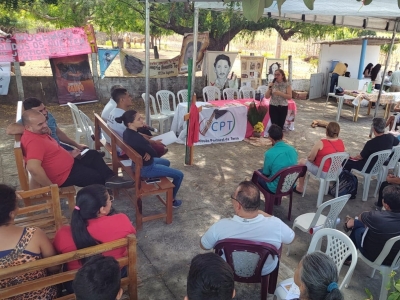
(380, 15)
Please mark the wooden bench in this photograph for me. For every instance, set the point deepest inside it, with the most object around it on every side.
(65, 192)
(129, 282)
(142, 189)
(47, 215)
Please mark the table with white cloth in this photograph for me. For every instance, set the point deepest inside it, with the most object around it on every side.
(225, 121)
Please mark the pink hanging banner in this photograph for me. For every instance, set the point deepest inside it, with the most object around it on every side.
(60, 43)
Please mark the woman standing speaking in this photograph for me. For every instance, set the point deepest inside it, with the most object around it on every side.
(279, 90)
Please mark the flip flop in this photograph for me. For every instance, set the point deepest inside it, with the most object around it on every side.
(297, 192)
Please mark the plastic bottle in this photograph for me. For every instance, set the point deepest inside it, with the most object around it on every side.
(365, 87)
(369, 89)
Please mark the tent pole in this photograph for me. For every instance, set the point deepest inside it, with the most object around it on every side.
(195, 36)
(384, 71)
(147, 63)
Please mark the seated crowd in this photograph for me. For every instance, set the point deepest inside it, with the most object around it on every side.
(50, 158)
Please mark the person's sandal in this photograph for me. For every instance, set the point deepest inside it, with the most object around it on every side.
(345, 228)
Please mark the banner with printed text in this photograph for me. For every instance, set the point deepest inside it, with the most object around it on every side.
(222, 125)
(73, 79)
(187, 50)
(251, 70)
(45, 45)
(159, 68)
(219, 65)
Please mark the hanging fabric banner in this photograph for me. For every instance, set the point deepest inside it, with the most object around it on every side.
(219, 64)
(159, 68)
(187, 50)
(73, 79)
(106, 56)
(251, 70)
(5, 74)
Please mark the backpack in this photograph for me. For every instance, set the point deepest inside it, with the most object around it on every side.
(348, 184)
(339, 91)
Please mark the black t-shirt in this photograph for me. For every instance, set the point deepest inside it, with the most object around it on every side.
(382, 226)
(139, 144)
(378, 143)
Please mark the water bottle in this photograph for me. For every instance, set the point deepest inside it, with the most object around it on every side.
(365, 87)
(369, 89)
(314, 229)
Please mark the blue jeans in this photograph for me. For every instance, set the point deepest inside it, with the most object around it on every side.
(160, 167)
(357, 234)
(334, 81)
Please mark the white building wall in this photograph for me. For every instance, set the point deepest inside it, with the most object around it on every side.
(349, 54)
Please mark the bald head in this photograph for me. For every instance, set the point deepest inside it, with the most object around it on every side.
(35, 122)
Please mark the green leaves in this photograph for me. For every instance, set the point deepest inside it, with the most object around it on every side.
(253, 9)
(367, 2)
(310, 4)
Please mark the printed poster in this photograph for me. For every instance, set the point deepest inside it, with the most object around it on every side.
(273, 64)
(219, 65)
(251, 70)
(73, 79)
(106, 57)
(60, 43)
(187, 50)
(159, 68)
(5, 74)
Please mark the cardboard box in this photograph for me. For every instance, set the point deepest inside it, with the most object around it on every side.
(300, 95)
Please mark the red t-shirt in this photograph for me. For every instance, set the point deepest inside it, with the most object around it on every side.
(328, 148)
(56, 161)
(104, 229)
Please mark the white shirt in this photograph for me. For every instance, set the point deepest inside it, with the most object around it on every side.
(107, 109)
(395, 78)
(259, 229)
(117, 127)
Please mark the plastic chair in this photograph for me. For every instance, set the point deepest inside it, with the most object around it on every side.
(211, 93)
(317, 220)
(163, 98)
(338, 160)
(384, 270)
(385, 169)
(262, 89)
(247, 259)
(287, 178)
(88, 129)
(160, 118)
(247, 92)
(382, 156)
(229, 94)
(182, 96)
(76, 117)
(327, 97)
(339, 247)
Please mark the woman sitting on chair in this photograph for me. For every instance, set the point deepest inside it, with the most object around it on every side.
(21, 245)
(152, 166)
(317, 277)
(330, 144)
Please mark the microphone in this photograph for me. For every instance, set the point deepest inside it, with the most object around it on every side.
(150, 128)
(273, 81)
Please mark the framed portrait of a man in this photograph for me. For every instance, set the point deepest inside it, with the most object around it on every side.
(188, 48)
(219, 65)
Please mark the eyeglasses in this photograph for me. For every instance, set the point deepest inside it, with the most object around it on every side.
(233, 198)
(277, 74)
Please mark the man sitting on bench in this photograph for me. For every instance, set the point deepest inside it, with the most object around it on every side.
(56, 133)
(49, 163)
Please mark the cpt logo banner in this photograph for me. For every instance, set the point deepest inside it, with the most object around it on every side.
(223, 125)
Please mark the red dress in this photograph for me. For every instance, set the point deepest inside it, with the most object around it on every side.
(330, 146)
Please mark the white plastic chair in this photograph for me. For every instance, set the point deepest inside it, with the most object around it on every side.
(182, 96)
(333, 173)
(160, 118)
(339, 247)
(76, 117)
(317, 220)
(163, 98)
(230, 93)
(385, 169)
(384, 270)
(88, 129)
(382, 157)
(211, 93)
(247, 92)
(262, 89)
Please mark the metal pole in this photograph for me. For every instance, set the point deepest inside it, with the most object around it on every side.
(386, 65)
(147, 61)
(195, 36)
(362, 58)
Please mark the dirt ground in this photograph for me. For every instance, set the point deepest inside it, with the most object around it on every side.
(164, 252)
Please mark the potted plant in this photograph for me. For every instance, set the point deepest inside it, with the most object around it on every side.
(255, 116)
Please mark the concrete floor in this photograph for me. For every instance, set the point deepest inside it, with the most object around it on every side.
(165, 251)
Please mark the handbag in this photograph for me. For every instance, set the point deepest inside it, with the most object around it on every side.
(257, 96)
(339, 91)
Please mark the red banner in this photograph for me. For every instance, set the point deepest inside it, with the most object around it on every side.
(60, 43)
(73, 79)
